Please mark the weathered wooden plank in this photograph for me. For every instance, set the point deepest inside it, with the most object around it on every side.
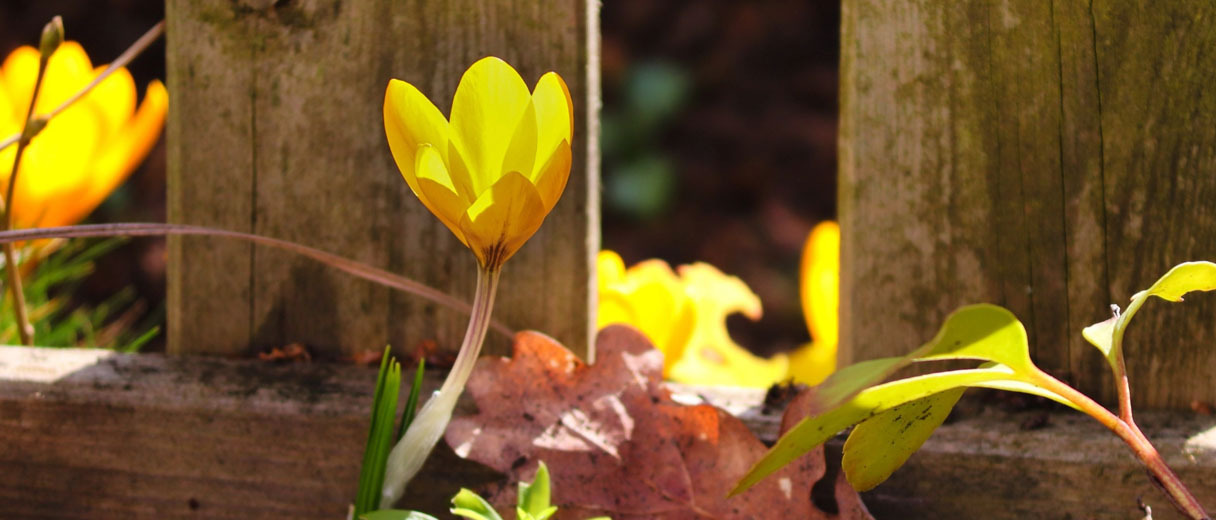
(90, 434)
(208, 183)
(1046, 156)
(96, 435)
(311, 165)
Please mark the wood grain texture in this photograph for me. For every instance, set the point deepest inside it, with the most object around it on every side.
(87, 434)
(1050, 157)
(276, 128)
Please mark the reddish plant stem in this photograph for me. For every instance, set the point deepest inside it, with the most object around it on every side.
(345, 265)
(1160, 473)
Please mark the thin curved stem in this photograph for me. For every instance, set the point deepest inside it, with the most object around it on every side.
(24, 329)
(343, 264)
(408, 455)
(1161, 473)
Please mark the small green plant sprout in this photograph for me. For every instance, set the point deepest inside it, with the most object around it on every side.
(533, 504)
(894, 419)
(380, 436)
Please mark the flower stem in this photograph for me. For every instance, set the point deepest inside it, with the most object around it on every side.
(24, 329)
(1160, 473)
(408, 455)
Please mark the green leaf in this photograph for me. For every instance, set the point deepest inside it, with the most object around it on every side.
(880, 445)
(396, 514)
(1024, 387)
(1182, 279)
(847, 382)
(534, 497)
(1102, 336)
(469, 505)
(984, 332)
(411, 403)
(1186, 277)
(814, 430)
(545, 514)
(379, 435)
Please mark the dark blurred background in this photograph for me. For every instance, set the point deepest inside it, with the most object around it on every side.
(719, 138)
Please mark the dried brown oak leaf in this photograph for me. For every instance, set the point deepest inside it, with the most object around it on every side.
(616, 444)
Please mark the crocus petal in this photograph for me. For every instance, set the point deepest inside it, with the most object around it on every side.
(115, 97)
(662, 308)
(555, 113)
(712, 356)
(521, 153)
(68, 69)
(502, 219)
(20, 71)
(551, 181)
(124, 150)
(437, 192)
(820, 282)
(811, 363)
(51, 181)
(8, 111)
(410, 121)
(609, 269)
(486, 110)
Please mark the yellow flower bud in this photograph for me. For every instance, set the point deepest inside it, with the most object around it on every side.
(498, 167)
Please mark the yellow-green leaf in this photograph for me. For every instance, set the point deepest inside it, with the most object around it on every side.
(814, 430)
(1182, 279)
(534, 496)
(983, 332)
(1102, 336)
(1186, 277)
(1024, 387)
(880, 445)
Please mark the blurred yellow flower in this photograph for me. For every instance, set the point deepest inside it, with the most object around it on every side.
(86, 151)
(684, 315)
(820, 290)
(496, 170)
(650, 297)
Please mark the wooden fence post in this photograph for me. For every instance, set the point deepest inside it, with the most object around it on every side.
(1051, 157)
(275, 128)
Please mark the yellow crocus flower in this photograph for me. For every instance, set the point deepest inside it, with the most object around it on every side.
(491, 175)
(820, 291)
(650, 297)
(684, 316)
(495, 171)
(86, 151)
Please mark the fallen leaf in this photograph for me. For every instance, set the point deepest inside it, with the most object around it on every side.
(615, 442)
(289, 352)
(366, 357)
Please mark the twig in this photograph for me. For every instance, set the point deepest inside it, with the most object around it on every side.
(52, 36)
(345, 265)
(134, 50)
(1159, 472)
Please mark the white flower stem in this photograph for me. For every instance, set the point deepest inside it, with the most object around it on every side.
(420, 438)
